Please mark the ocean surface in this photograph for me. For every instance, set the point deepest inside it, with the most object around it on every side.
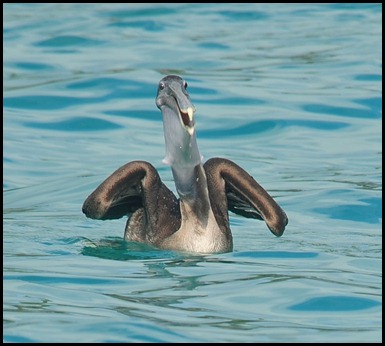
(290, 92)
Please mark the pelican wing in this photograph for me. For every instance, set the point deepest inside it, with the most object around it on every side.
(232, 188)
(135, 185)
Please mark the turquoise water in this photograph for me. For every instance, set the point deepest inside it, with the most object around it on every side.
(292, 93)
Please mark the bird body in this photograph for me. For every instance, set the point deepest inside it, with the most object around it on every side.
(197, 221)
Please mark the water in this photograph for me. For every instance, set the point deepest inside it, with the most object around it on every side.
(292, 93)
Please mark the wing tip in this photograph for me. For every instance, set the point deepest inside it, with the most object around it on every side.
(277, 227)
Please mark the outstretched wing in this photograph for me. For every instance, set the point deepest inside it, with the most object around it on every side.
(118, 195)
(135, 185)
(232, 188)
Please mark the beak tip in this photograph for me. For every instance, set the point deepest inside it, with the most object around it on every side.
(190, 130)
(190, 112)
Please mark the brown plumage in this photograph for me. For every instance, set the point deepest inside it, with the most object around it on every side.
(197, 221)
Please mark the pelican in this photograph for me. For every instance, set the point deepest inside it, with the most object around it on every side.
(197, 221)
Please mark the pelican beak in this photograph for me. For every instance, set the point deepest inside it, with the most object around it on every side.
(178, 122)
(187, 119)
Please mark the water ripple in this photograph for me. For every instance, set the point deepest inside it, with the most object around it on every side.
(335, 303)
(75, 125)
(342, 111)
(256, 127)
(67, 41)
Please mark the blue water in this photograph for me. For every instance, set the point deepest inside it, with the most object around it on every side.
(292, 93)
